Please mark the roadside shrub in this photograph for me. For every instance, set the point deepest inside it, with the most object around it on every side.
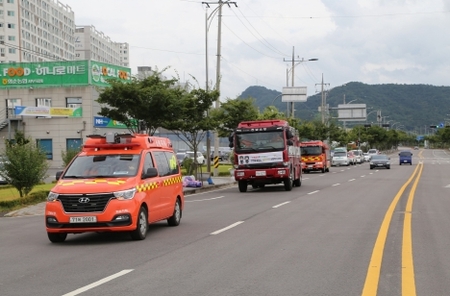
(30, 199)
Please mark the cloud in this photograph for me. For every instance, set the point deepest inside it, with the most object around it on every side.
(399, 41)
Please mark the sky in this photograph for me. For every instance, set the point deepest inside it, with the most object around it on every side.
(368, 41)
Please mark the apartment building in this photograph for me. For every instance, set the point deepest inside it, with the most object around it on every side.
(50, 73)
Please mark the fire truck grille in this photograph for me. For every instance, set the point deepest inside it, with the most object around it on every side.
(81, 203)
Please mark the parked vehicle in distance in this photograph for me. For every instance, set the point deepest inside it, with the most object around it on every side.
(373, 152)
(405, 157)
(200, 158)
(366, 156)
(358, 156)
(416, 147)
(3, 160)
(351, 157)
(180, 157)
(380, 161)
(340, 158)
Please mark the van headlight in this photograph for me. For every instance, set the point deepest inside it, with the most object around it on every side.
(52, 196)
(125, 194)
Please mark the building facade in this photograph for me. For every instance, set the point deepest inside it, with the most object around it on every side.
(54, 103)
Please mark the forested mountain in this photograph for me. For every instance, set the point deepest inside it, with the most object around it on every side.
(414, 106)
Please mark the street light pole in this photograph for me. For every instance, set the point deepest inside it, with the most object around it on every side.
(219, 44)
(294, 61)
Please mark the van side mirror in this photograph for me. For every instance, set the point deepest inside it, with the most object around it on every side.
(58, 175)
(150, 173)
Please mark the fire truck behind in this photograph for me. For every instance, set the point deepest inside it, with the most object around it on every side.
(266, 152)
(315, 156)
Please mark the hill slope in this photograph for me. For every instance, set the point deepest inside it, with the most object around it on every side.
(414, 106)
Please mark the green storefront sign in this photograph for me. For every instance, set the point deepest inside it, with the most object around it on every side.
(60, 74)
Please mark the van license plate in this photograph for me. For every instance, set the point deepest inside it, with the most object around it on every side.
(260, 173)
(86, 219)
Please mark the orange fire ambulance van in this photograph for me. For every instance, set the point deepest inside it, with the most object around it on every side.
(116, 183)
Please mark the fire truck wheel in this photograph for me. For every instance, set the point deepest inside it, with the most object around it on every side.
(288, 184)
(141, 226)
(242, 186)
(176, 217)
(254, 186)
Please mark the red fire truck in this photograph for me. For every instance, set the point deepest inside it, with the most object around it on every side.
(266, 152)
(315, 156)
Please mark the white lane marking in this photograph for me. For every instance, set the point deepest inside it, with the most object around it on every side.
(281, 204)
(363, 176)
(448, 186)
(313, 192)
(305, 178)
(206, 199)
(226, 228)
(351, 180)
(336, 184)
(98, 283)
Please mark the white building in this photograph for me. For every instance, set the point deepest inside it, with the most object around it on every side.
(36, 30)
(50, 73)
(91, 44)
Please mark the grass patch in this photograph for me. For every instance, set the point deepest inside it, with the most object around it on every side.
(10, 199)
(224, 170)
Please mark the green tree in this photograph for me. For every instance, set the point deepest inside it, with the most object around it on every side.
(68, 155)
(26, 164)
(146, 101)
(189, 119)
(231, 112)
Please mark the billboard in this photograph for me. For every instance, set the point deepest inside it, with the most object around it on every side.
(352, 112)
(48, 111)
(60, 74)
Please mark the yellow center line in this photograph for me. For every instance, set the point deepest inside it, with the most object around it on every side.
(408, 280)
(373, 272)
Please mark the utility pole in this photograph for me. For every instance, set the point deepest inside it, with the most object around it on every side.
(323, 107)
(293, 61)
(219, 45)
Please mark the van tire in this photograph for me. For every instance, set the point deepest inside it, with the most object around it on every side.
(141, 225)
(176, 217)
(56, 237)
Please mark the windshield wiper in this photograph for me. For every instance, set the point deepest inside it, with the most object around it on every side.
(73, 177)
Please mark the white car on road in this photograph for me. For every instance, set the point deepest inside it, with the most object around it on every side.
(200, 157)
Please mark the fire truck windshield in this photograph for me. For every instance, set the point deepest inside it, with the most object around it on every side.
(311, 150)
(270, 141)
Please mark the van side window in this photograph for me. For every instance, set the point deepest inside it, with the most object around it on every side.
(173, 164)
(148, 162)
(161, 163)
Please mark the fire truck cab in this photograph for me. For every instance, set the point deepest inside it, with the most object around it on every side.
(315, 156)
(266, 152)
(116, 183)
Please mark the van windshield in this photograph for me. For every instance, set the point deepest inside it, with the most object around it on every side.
(104, 166)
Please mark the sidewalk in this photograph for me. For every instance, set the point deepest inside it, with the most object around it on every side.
(219, 182)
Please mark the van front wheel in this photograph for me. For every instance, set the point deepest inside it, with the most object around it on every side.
(56, 237)
(141, 225)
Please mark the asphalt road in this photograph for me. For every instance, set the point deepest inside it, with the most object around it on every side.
(353, 231)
